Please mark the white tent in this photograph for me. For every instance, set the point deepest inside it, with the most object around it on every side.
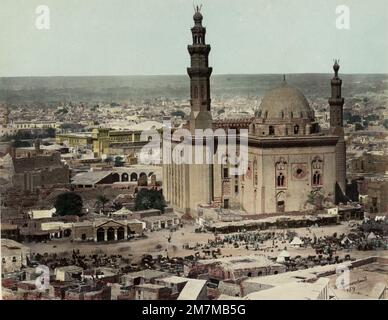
(283, 256)
(371, 236)
(296, 242)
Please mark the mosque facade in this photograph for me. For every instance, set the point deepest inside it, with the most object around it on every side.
(292, 165)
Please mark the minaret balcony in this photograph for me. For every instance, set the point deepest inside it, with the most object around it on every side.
(199, 71)
(336, 101)
(199, 49)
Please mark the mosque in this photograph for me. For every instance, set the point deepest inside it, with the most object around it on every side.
(292, 165)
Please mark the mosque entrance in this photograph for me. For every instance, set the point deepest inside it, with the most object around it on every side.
(280, 202)
(120, 233)
(280, 206)
(111, 234)
(100, 234)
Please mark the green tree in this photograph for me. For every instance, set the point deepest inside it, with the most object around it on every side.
(108, 159)
(119, 162)
(178, 113)
(68, 203)
(102, 201)
(50, 132)
(21, 144)
(358, 126)
(150, 199)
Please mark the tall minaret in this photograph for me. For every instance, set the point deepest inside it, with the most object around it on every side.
(199, 72)
(336, 103)
(6, 117)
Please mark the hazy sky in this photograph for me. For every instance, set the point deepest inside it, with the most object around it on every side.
(130, 37)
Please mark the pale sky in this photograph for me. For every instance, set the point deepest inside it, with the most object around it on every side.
(147, 37)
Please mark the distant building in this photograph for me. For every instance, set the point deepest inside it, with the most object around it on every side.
(105, 141)
(377, 200)
(14, 256)
(234, 268)
(149, 291)
(102, 230)
(369, 164)
(39, 170)
(142, 175)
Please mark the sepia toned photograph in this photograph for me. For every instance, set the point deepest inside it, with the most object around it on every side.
(189, 158)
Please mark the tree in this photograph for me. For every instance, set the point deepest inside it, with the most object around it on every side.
(21, 144)
(119, 162)
(108, 159)
(150, 199)
(102, 200)
(178, 113)
(68, 203)
(50, 132)
(358, 126)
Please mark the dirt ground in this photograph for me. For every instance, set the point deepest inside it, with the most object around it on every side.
(157, 243)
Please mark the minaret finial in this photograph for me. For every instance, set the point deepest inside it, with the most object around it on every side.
(197, 14)
(198, 8)
(336, 67)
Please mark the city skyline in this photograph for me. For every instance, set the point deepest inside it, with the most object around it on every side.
(114, 40)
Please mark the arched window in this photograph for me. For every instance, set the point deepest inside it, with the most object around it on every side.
(280, 180)
(296, 129)
(271, 130)
(317, 178)
(281, 164)
(225, 172)
(133, 176)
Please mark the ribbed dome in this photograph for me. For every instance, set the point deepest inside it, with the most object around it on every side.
(285, 102)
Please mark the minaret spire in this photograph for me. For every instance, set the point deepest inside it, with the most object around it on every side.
(336, 102)
(199, 72)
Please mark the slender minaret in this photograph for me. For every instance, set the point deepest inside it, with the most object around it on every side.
(200, 177)
(199, 72)
(6, 117)
(336, 103)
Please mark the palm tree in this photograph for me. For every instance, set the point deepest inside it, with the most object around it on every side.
(102, 200)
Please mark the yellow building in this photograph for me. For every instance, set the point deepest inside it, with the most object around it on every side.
(74, 140)
(103, 140)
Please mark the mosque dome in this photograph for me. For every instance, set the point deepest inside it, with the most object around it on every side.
(285, 102)
(284, 111)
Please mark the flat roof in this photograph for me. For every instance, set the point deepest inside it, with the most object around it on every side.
(241, 262)
(147, 273)
(291, 291)
(192, 289)
(174, 279)
(90, 177)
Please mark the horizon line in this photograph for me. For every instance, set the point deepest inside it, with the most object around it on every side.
(183, 74)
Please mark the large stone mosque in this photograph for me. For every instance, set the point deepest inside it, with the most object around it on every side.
(292, 165)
